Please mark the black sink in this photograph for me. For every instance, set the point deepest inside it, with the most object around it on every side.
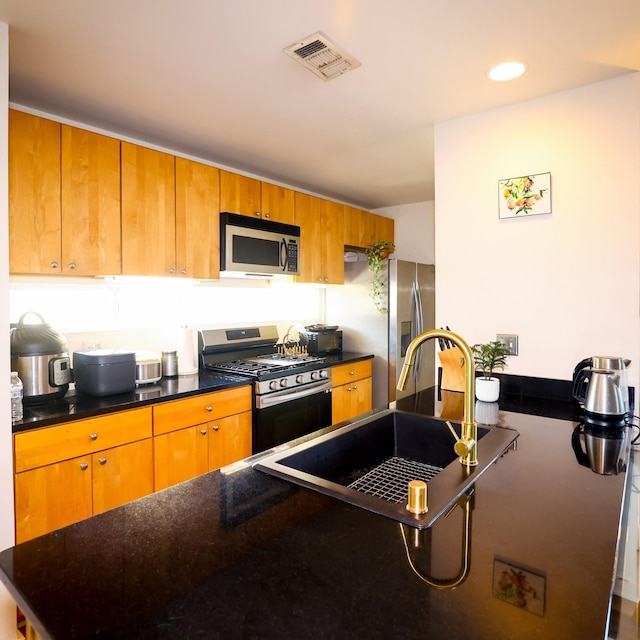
(369, 463)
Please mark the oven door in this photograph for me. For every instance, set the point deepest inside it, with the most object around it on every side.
(286, 415)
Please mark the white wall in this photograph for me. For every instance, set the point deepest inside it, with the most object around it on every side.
(7, 607)
(414, 231)
(567, 283)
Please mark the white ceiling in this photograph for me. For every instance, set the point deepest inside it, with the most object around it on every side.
(209, 77)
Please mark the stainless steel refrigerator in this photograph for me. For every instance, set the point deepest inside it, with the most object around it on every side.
(410, 287)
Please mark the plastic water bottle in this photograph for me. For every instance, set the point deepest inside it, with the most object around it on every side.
(17, 392)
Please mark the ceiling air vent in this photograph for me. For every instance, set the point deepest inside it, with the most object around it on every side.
(325, 58)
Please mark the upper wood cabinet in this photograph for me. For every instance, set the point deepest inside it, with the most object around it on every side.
(321, 225)
(90, 203)
(362, 228)
(34, 194)
(197, 220)
(239, 194)
(64, 199)
(251, 197)
(148, 212)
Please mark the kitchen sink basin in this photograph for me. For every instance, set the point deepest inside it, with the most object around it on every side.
(370, 462)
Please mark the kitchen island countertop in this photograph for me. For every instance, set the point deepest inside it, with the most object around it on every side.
(239, 554)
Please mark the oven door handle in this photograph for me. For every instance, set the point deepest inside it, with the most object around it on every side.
(286, 395)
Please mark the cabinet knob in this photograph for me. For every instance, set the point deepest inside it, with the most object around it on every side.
(172, 270)
(93, 436)
(102, 460)
(54, 265)
(203, 432)
(216, 427)
(209, 408)
(83, 466)
(267, 215)
(183, 272)
(258, 214)
(72, 265)
(352, 373)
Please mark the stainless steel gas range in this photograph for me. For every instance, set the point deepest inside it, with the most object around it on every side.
(291, 392)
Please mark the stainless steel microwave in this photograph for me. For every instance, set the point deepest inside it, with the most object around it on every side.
(257, 247)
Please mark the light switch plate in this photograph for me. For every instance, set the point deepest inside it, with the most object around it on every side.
(511, 340)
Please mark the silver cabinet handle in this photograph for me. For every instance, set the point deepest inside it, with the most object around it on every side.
(209, 408)
(216, 427)
(54, 264)
(93, 436)
(72, 265)
(183, 272)
(352, 373)
(102, 460)
(203, 432)
(83, 466)
(258, 214)
(172, 270)
(267, 215)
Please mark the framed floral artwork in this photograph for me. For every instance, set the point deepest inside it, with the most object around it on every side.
(524, 196)
(518, 585)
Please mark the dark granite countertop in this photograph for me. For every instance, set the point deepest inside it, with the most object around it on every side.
(239, 554)
(75, 405)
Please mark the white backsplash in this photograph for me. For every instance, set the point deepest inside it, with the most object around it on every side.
(147, 313)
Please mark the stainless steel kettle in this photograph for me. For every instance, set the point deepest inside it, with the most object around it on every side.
(610, 363)
(603, 401)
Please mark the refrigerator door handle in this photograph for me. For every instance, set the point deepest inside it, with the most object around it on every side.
(417, 321)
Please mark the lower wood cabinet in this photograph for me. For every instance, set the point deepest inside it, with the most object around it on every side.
(200, 434)
(352, 390)
(186, 453)
(71, 471)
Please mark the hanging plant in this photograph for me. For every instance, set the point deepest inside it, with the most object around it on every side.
(377, 253)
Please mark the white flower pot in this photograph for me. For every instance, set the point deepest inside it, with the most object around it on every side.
(487, 389)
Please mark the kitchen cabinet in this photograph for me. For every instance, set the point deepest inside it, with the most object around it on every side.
(321, 225)
(252, 197)
(362, 228)
(68, 472)
(90, 197)
(34, 194)
(352, 390)
(64, 199)
(198, 434)
(197, 221)
(148, 211)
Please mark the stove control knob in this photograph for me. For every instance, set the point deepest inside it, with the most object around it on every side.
(284, 382)
(299, 379)
(314, 375)
(324, 373)
(273, 385)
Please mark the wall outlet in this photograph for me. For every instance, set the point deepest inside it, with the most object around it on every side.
(511, 340)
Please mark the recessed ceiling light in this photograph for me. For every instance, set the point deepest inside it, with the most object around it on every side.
(507, 71)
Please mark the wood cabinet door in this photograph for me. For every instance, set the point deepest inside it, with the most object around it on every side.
(148, 211)
(230, 440)
(51, 497)
(180, 455)
(309, 210)
(351, 371)
(351, 400)
(34, 194)
(239, 194)
(358, 228)
(122, 474)
(333, 242)
(90, 203)
(383, 228)
(278, 203)
(197, 220)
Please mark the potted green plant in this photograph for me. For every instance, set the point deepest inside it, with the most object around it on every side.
(488, 358)
(377, 253)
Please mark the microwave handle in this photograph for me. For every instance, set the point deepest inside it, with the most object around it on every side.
(284, 255)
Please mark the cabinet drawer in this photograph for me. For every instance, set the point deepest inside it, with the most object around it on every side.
(169, 416)
(80, 437)
(346, 373)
